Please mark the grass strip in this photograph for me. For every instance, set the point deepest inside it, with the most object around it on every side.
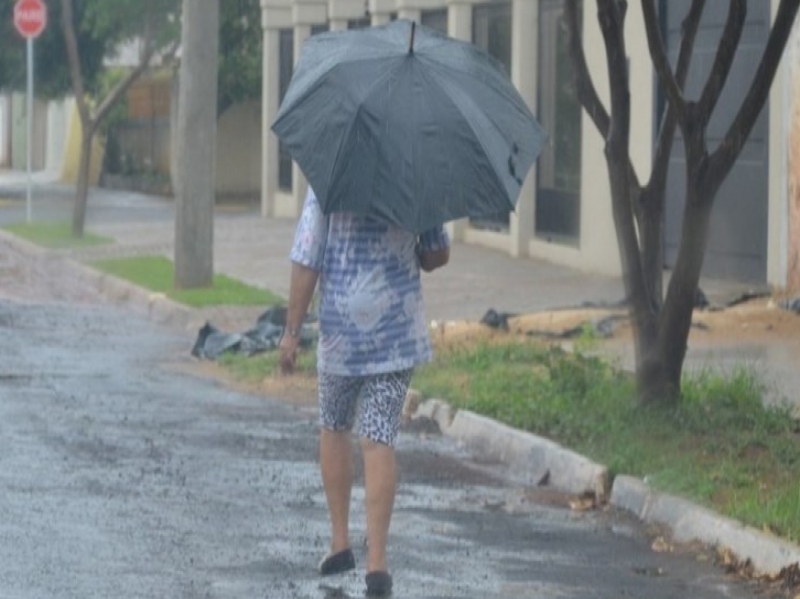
(55, 235)
(156, 273)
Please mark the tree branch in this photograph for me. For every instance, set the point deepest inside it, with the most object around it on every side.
(612, 23)
(666, 134)
(661, 64)
(611, 14)
(724, 157)
(148, 50)
(68, 26)
(587, 94)
(120, 88)
(723, 61)
(585, 90)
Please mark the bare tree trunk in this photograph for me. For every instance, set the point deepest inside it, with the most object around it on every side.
(82, 187)
(197, 132)
(661, 366)
(651, 233)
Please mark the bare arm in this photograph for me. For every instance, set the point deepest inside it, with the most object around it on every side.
(301, 290)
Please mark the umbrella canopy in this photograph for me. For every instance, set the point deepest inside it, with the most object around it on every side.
(403, 124)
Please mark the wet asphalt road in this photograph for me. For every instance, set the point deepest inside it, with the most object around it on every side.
(120, 478)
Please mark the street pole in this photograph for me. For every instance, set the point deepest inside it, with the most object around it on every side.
(28, 202)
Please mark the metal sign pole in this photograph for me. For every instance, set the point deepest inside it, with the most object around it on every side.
(30, 128)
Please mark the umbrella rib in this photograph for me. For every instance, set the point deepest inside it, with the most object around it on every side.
(446, 94)
(324, 75)
(345, 138)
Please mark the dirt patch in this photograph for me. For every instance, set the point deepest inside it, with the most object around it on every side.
(299, 389)
(757, 321)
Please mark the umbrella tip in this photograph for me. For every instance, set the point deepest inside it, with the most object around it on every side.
(413, 33)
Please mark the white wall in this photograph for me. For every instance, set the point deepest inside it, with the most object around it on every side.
(787, 261)
(58, 114)
(239, 151)
(5, 132)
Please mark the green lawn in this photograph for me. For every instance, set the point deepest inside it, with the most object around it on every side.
(55, 235)
(157, 273)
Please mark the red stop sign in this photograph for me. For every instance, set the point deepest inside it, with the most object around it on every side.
(30, 17)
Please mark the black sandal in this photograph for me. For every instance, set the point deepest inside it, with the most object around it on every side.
(337, 563)
(379, 584)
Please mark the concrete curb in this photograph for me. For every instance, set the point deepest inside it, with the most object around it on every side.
(532, 458)
(688, 522)
(155, 306)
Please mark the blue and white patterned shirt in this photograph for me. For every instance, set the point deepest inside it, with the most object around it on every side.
(371, 313)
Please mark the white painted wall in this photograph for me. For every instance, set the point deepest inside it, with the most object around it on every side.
(4, 131)
(239, 151)
(58, 115)
(788, 259)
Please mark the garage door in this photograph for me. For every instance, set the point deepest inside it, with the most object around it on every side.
(738, 242)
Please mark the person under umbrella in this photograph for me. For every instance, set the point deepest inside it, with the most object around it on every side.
(373, 332)
(398, 129)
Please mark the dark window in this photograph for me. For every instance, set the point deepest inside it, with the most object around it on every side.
(435, 19)
(322, 28)
(491, 30)
(286, 58)
(559, 167)
(361, 23)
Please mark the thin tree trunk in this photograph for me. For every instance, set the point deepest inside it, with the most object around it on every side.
(660, 376)
(651, 235)
(82, 188)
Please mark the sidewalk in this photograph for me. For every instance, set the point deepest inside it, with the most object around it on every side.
(255, 250)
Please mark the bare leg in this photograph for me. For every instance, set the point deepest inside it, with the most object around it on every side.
(336, 464)
(380, 474)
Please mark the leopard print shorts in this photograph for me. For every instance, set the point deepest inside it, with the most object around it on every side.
(382, 397)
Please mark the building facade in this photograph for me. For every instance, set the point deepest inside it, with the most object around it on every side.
(564, 211)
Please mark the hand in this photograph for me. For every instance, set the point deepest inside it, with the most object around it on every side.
(288, 348)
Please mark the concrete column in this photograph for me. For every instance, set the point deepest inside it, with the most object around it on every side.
(381, 11)
(380, 19)
(305, 14)
(792, 90)
(272, 20)
(412, 14)
(299, 184)
(459, 26)
(342, 11)
(5, 130)
(524, 74)
(459, 19)
(269, 108)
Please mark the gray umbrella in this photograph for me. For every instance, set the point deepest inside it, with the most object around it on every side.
(406, 125)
